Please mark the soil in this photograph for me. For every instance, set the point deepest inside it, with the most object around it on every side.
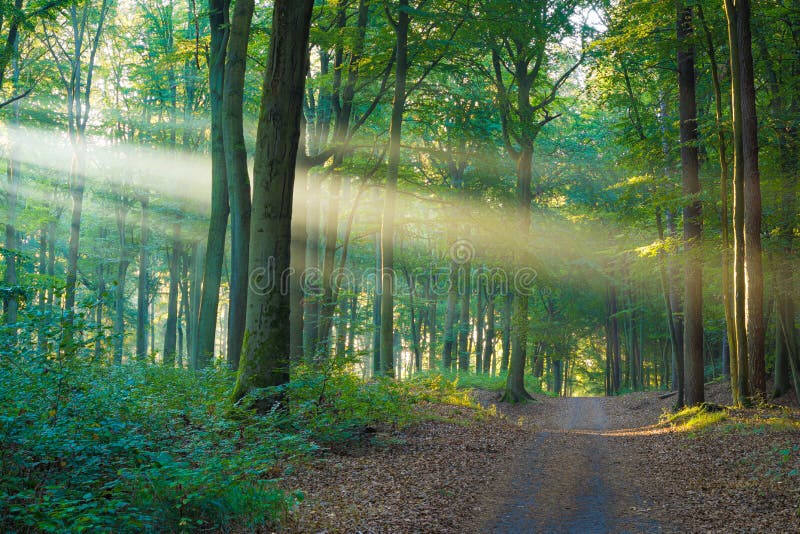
(562, 465)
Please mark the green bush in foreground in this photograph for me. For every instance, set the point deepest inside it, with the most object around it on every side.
(90, 447)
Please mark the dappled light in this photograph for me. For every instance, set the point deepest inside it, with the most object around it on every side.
(435, 266)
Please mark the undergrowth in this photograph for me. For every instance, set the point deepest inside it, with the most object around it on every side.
(91, 447)
(468, 381)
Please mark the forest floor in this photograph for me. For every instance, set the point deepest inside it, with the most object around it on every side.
(563, 465)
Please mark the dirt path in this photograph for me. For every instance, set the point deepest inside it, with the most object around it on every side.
(570, 477)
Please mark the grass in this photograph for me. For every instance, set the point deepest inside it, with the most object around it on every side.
(695, 418)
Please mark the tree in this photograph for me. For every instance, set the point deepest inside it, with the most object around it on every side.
(692, 222)
(218, 17)
(265, 352)
(83, 35)
(748, 276)
(237, 173)
(520, 62)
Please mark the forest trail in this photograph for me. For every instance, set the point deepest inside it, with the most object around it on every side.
(570, 477)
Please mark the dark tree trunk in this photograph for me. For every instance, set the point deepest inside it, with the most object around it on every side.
(464, 325)
(171, 327)
(450, 319)
(692, 213)
(236, 173)
(507, 306)
(265, 355)
(205, 334)
(376, 310)
(142, 301)
(393, 168)
(488, 348)
(754, 277)
(479, 326)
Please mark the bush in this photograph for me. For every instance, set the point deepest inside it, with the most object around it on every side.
(85, 447)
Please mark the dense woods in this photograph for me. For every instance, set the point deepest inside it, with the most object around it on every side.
(238, 232)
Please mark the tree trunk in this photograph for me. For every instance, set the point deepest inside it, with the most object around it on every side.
(195, 295)
(171, 327)
(507, 306)
(393, 168)
(740, 345)
(751, 188)
(142, 302)
(203, 347)
(725, 221)
(692, 222)
(488, 347)
(237, 173)
(479, 325)
(376, 310)
(515, 382)
(311, 318)
(464, 325)
(101, 297)
(10, 299)
(298, 253)
(265, 355)
(119, 290)
(450, 319)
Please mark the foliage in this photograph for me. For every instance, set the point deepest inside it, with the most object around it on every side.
(88, 447)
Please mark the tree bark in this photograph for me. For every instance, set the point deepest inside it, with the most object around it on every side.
(464, 326)
(265, 355)
(142, 301)
(237, 173)
(203, 347)
(692, 213)
(753, 273)
(393, 168)
(507, 307)
(171, 327)
(450, 319)
(488, 347)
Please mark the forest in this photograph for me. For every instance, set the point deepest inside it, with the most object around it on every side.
(399, 266)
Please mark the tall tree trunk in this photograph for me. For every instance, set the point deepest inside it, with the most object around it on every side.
(739, 299)
(464, 325)
(203, 347)
(725, 221)
(414, 323)
(376, 310)
(265, 355)
(119, 289)
(99, 345)
(515, 383)
(142, 301)
(195, 292)
(10, 304)
(450, 319)
(692, 213)
(311, 318)
(479, 325)
(298, 253)
(236, 173)
(393, 168)
(507, 308)
(171, 327)
(754, 277)
(488, 347)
